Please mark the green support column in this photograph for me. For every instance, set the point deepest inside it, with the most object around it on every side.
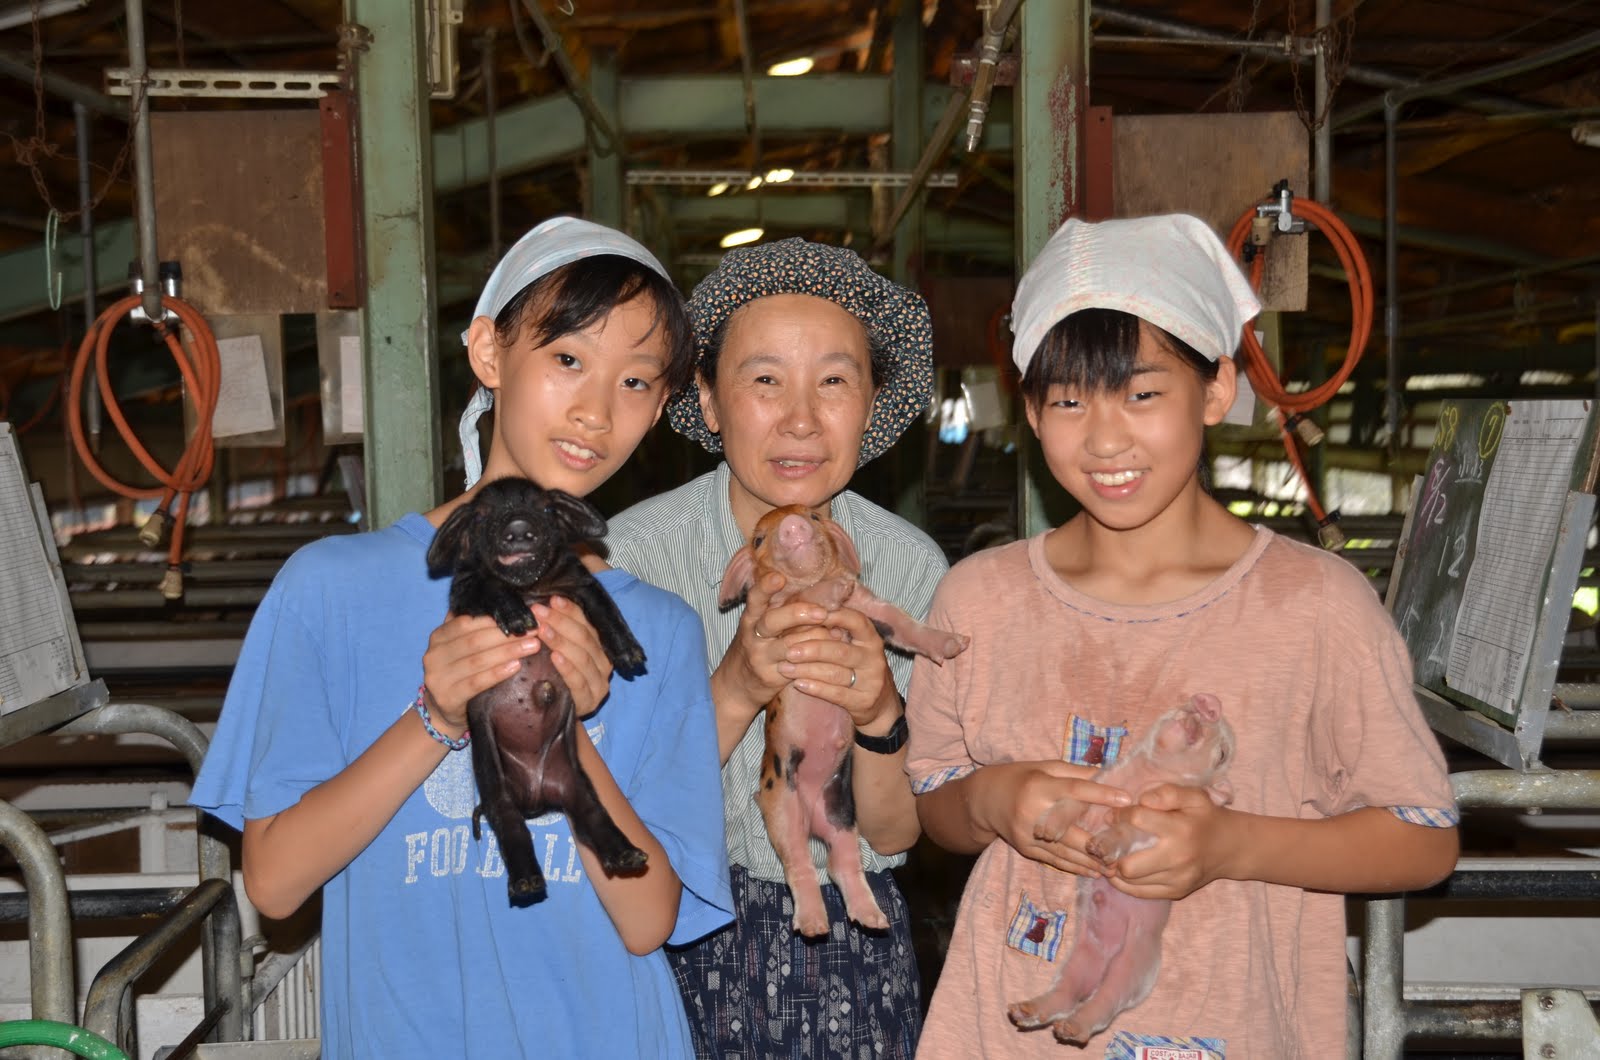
(905, 137)
(1052, 96)
(905, 147)
(605, 169)
(398, 345)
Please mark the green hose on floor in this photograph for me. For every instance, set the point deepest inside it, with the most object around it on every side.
(78, 1041)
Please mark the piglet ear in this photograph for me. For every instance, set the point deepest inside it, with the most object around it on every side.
(450, 544)
(737, 579)
(846, 547)
(579, 519)
(1221, 792)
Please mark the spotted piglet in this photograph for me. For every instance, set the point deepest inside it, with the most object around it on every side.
(1117, 951)
(805, 787)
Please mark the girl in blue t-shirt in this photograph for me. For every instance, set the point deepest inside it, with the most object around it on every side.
(345, 775)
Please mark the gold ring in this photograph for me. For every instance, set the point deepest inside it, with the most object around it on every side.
(756, 631)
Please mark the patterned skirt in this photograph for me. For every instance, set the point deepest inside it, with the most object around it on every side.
(756, 990)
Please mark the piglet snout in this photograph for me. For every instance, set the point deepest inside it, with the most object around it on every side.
(517, 532)
(795, 533)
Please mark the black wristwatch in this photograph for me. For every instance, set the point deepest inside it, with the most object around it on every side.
(888, 743)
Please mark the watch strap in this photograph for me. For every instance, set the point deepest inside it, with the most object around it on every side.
(888, 743)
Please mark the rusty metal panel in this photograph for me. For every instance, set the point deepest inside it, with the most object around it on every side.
(1099, 171)
(341, 205)
(239, 200)
(1216, 166)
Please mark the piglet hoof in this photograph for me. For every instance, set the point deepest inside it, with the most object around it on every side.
(873, 920)
(812, 925)
(1068, 1032)
(1097, 850)
(526, 891)
(1025, 1016)
(627, 861)
(954, 645)
(629, 662)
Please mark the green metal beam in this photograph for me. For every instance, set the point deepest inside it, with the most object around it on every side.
(905, 133)
(550, 129)
(605, 160)
(1052, 97)
(400, 353)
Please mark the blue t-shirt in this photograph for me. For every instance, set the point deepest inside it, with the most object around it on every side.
(422, 954)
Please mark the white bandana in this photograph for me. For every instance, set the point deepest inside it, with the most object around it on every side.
(550, 245)
(1171, 271)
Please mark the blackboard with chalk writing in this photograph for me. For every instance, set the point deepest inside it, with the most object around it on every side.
(1490, 555)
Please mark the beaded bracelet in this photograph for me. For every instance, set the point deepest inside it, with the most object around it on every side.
(421, 707)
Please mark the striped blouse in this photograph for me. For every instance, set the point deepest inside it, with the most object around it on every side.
(682, 541)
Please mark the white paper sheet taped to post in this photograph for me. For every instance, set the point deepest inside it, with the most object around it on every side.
(1517, 526)
(36, 656)
(352, 418)
(244, 398)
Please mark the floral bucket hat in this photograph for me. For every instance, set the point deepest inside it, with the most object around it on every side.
(898, 317)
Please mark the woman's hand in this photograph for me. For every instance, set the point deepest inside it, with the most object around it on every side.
(1192, 848)
(576, 652)
(749, 668)
(466, 655)
(1010, 798)
(843, 662)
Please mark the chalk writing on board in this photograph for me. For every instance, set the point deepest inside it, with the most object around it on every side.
(1522, 503)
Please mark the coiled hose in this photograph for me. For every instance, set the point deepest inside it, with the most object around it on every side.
(201, 367)
(1293, 404)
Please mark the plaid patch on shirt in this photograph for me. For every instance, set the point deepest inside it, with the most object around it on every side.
(1427, 816)
(1126, 1046)
(1093, 745)
(1036, 930)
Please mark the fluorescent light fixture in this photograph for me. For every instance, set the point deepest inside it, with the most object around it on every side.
(718, 188)
(792, 67)
(778, 176)
(22, 14)
(741, 237)
(752, 184)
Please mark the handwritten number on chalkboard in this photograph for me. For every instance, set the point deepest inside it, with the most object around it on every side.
(1433, 505)
(1460, 554)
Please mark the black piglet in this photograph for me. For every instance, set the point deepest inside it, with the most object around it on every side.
(508, 548)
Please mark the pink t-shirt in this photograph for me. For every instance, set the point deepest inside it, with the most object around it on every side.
(1317, 685)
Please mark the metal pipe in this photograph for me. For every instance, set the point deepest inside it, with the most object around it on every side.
(1446, 86)
(91, 396)
(1509, 276)
(52, 988)
(996, 22)
(1391, 269)
(1279, 44)
(1364, 75)
(1322, 140)
(748, 77)
(1382, 975)
(491, 100)
(938, 143)
(121, 903)
(103, 1008)
(21, 68)
(1471, 1020)
(219, 954)
(575, 84)
(1569, 789)
(143, 161)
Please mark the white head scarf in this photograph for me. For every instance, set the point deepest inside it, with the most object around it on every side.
(1171, 270)
(550, 245)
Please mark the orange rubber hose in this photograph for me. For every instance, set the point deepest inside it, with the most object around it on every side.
(1260, 371)
(201, 368)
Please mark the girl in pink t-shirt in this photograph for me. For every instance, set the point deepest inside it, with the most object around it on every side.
(1125, 332)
